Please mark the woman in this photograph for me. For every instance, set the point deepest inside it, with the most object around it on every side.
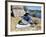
(26, 21)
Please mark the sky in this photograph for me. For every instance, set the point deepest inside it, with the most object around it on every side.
(34, 7)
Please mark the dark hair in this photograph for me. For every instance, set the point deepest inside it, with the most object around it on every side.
(26, 14)
(19, 21)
